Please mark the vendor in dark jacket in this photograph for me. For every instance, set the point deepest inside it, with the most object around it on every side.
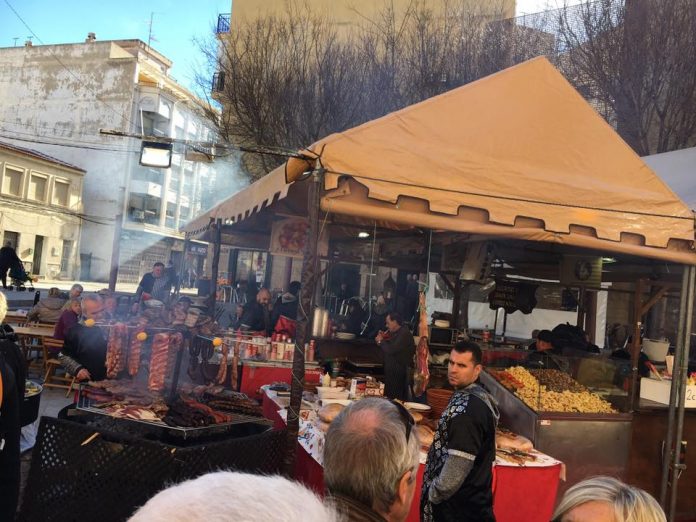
(256, 316)
(12, 378)
(84, 349)
(544, 354)
(155, 285)
(398, 348)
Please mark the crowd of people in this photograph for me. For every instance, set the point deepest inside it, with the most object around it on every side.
(371, 451)
(371, 458)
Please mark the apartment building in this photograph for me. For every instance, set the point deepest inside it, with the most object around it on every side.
(41, 210)
(59, 101)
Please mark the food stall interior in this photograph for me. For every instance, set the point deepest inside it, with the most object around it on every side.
(519, 205)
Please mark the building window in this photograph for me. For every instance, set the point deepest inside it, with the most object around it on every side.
(170, 221)
(66, 255)
(61, 193)
(12, 181)
(37, 187)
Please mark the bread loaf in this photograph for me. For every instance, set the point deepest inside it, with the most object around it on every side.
(425, 435)
(513, 441)
(328, 412)
(417, 417)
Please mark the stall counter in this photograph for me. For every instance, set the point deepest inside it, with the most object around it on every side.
(254, 374)
(519, 492)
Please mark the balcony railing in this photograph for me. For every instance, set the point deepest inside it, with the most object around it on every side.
(218, 82)
(223, 25)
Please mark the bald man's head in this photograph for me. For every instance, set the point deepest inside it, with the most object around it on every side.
(263, 297)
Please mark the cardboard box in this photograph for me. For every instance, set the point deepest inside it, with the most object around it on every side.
(658, 391)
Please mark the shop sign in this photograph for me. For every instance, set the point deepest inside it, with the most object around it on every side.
(513, 296)
(288, 238)
(198, 250)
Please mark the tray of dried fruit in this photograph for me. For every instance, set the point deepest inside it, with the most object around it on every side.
(195, 411)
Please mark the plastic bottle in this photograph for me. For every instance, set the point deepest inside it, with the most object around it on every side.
(289, 350)
(326, 380)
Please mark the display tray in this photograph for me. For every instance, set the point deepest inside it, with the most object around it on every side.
(184, 432)
(503, 395)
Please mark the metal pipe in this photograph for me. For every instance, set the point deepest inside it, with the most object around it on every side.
(182, 265)
(635, 344)
(677, 466)
(667, 450)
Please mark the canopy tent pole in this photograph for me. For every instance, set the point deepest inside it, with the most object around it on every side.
(635, 343)
(667, 450)
(683, 361)
(456, 303)
(212, 298)
(182, 265)
(115, 253)
(310, 268)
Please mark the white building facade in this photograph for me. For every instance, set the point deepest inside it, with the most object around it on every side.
(57, 98)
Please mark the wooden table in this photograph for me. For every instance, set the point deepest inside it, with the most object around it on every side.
(27, 334)
(15, 318)
(34, 331)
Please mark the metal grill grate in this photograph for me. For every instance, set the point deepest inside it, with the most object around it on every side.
(113, 474)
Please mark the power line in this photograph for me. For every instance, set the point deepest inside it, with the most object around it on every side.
(70, 141)
(29, 206)
(33, 127)
(76, 146)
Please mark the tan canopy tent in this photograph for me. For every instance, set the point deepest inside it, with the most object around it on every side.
(517, 154)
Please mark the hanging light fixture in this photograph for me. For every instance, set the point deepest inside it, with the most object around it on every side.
(156, 154)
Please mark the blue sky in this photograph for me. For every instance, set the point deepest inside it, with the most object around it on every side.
(176, 23)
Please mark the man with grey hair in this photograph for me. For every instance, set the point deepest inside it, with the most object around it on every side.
(226, 495)
(371, 461)
(84, 348)
(74, 293)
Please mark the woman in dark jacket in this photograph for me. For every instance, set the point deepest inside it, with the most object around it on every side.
(398, 348)
(12, 381)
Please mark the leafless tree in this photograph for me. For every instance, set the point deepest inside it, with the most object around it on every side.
(288, 80)
(635, 60)
(292, 79)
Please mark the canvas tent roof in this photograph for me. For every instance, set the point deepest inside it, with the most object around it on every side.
(516, 154)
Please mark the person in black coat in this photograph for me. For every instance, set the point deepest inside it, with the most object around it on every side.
(84, 350)
(398, 348)
(8, 259)
(12, 382)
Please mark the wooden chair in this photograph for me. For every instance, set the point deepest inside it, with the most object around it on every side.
(52, 363)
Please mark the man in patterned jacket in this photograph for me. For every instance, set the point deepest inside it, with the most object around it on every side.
(459, 470)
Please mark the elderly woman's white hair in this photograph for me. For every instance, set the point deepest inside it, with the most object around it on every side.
(630, 504)
(225, 495)
(3, 307)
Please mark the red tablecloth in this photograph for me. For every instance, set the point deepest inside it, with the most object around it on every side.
(519, 493)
